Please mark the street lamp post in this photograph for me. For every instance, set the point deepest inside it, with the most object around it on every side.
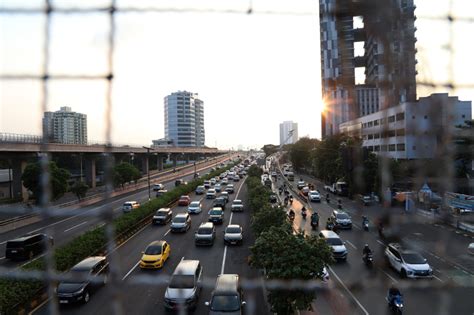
(148, 169)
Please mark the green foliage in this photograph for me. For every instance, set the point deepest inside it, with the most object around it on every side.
(270, 149)
(125, 173)
(300, 153)
(280, 253)
(31, 178)
(14, 293)
(79, 189)
(255, 171)
(284, 255)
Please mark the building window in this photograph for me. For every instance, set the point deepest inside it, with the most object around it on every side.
(401, 147)
(370, 148)
(391, 119)
(383, 148)
(369, 124)
(371, 136)
(376, 122)
(376, 135)
(377, 148)
(463, 116)
(426, 117)
(400, 116)
(391, 147)
(391, 133)
(413, 117)
(400, 132)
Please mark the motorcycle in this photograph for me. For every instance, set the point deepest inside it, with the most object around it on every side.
(368, 259)
(303, 214)
(329, 225)
(395, 303)
(365, 224)
(314, 222)
(291, 216)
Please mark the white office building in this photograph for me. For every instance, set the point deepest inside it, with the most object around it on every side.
(184, 119)
(65, 126)
(288, 132)
(411, 130)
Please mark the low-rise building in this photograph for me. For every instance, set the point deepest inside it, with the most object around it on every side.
(411, 130)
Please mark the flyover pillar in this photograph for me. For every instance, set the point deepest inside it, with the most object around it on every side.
(175, 160)
(145, 164)
(187, 158)
(159, 162)
(91, 172)
(19, 191)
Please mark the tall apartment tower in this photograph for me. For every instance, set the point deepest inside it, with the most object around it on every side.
(65, 126)
(389, 60)
(288, 132)
(184, 119)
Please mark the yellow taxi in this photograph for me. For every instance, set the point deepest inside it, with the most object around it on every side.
(155, 255)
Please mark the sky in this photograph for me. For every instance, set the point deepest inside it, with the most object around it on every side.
(252, 71)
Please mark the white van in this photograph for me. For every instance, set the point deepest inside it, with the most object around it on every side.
(339, 250)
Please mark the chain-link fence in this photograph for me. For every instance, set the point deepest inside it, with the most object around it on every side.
(390, 69)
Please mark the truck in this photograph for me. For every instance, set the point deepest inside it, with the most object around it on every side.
(330, 188)
(342, 189)
(290, 176)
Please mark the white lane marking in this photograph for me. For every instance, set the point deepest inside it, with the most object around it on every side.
(392, 278)
(380, 242)
(3, 242)
(2, 257)
(167, 232)
(131, 270)
(348, 291)
(223, 260)
(438, 279)
(75, 226)
(348, 242)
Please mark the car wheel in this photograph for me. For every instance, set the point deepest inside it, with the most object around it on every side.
(87, 297)
(403, 273)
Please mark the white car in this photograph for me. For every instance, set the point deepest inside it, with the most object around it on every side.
(130, 205)
(157, 187)
(218, 187)
(407, 262)
(195, 207)
(213, 181)
(470, 249)
(314, 195)
(237, 205)
(225, 181)
(211, 194)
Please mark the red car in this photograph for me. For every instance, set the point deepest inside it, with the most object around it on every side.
(184, 200)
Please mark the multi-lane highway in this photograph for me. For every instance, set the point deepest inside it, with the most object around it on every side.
(74, 221)
(450, 291)
(217, 259)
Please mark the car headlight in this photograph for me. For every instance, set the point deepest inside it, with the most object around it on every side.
(79, 292)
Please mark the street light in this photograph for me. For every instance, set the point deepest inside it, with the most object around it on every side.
(148, 169)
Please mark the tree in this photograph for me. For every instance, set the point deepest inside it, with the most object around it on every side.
(125, 173)
(270, 149)
(301, 152)
(80, 189)
(266, 217)
(286, 256)
(31, 178)
(255, 171)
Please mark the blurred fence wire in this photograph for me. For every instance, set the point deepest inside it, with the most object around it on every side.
(351, 9)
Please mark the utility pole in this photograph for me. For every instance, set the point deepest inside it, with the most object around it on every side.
(148, 169)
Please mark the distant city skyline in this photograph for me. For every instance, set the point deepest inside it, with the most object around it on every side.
(263, 69)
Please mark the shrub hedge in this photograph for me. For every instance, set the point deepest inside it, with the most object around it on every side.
(15, 293)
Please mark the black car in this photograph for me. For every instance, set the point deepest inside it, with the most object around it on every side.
(219, 202)
(273, 199)
(26, 247)
(79, 291)
(162, 216)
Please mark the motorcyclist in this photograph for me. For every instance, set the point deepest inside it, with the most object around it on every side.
(366, 251)
(291, 213)
(393, 292)
(303, 212)
(315, 216)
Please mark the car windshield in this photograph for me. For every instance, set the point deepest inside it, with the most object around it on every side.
(161, 213)
(194, 204)
(218, 200)
(215, 212)
(153, 250)
(225, 303)
(237, 202)
(232, 230)
(184, 197)
(182, 282)
(342, 216)
(205, 231)
(334, 241)
(413, 258)
(179, 219)
(78, 272)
